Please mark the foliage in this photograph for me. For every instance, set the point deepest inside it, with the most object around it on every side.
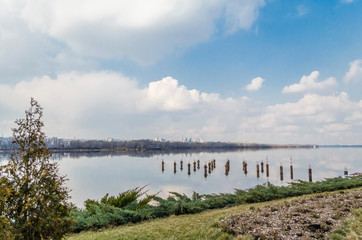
(127, 200)
(104, 213)
(35, 201)
(204, 225)
(4, 222)
(112, 210)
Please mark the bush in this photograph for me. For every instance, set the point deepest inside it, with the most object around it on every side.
(101, 214)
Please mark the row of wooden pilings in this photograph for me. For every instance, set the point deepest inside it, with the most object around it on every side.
(208, 167)
(211, 165)
(260, 168)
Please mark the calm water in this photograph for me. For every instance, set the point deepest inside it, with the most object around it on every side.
(94, 175)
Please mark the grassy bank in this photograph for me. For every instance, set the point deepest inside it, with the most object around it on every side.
(193, 226)
(127, 208)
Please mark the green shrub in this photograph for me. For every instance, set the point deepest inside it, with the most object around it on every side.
(101, 214)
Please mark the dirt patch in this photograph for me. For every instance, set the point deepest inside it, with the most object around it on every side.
(307, 218)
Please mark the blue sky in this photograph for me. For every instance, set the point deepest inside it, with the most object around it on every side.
(239, 70)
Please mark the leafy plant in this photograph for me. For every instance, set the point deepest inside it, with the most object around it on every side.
(127, 199)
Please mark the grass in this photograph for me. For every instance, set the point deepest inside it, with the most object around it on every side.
(193, 226)
(202, 225)
(127, 208)
(351, 227)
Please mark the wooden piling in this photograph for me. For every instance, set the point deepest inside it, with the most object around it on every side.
(291, 169)
(267, 169)
(227, 167)
(163, 166)
(181, 165)
(205, 172)
(257, 171)
(281, 173)
(262, 166)
(245, 167)
(194, 166)
(198, 163)
(310, 173)
(189, 169)
(174, 167)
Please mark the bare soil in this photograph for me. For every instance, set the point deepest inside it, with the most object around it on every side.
(308, 218)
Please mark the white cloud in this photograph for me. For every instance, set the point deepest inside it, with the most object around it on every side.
(168, 95)
(141, 30)
(255, 84)
(103, 104)
(314, 119)
(242, 14)
(315, 105)
(355, 71)
(308, 83)
(26, 53)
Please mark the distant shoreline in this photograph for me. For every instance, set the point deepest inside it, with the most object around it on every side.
(180, 146)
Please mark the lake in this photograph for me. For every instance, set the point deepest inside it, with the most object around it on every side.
(92, 175)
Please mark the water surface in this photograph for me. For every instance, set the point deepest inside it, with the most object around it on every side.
(94, 175)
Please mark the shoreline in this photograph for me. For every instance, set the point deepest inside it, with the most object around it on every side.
(208, 147)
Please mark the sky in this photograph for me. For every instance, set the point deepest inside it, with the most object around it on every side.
(265, 71)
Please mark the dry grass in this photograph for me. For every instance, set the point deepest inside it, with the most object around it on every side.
(310, 218)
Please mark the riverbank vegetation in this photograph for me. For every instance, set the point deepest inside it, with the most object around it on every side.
(204, 225)
(127, 208)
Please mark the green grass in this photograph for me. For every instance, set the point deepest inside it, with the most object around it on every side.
(193, 226)
(351, 227)
(202, 225)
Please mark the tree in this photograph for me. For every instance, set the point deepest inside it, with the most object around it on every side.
(35, 201)
(4, 222)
